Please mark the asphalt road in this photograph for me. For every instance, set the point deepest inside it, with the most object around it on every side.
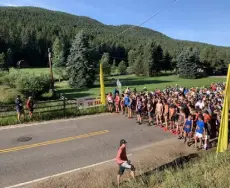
(61, 146)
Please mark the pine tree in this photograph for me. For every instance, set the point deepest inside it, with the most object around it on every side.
(137, 67)
(79, 69)
(3, 65)
(105, 64)
(122, 67)
(167, 62)
(152, 59)
(188, 63)
(148, 64)
(58, 54)
(114, 67)
(131, 58)
(159, 58)
(9, 57)
(58, 59)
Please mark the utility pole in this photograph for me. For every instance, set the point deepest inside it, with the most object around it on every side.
(51, 72)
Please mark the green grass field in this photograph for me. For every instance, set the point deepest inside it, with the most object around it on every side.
(36, 71)
(136, 82)
(131, 81)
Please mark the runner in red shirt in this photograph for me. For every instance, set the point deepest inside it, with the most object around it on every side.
(123, 162)
(30, 106)
(117, 102)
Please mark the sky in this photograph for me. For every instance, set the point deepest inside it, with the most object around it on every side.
(196, 20)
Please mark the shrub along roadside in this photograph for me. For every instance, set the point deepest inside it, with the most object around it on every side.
(8, 95)
(55, 114)
(28, 84)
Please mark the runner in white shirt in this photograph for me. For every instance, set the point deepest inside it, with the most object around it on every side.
(200, 104)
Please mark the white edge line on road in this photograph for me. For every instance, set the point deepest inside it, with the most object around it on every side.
(60, 174)
(52, 121)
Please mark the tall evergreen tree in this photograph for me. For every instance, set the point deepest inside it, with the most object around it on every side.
(131, 58)
(152, 59)
(137, 67)
(58, 54)
(159, 58)
(122, 67)
(3, 65)
(79, 69)
(188, 63)
(9, 57)
(114, 67)
(58, 59)
(105, 64)
(148, 64)
(167, 62)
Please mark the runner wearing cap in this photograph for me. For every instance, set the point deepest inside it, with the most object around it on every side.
(123, 161)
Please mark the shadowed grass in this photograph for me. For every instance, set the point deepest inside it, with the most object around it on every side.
(207, 171)
(131, 81)
(136, 82)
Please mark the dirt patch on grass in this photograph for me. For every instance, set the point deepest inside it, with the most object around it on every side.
(104, 176)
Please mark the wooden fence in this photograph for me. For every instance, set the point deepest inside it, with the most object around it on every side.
(62, 105)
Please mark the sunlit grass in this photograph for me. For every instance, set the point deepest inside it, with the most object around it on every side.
(139, 83)
(208, 170)
(131, 81)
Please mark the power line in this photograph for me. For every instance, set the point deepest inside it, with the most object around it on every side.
(131, 27)
(141, 24)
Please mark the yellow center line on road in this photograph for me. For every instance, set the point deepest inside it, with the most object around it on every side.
(53, 142)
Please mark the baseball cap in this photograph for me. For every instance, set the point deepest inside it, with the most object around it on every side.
(123, 141)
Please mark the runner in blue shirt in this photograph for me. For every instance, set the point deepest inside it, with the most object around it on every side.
(188, 126)
(126, 103)
(200, 130)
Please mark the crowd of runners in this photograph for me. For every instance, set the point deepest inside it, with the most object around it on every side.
(191, 113)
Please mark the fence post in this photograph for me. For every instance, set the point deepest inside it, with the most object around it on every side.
(64, 106)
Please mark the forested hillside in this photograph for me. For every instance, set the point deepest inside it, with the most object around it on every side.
(27, 32)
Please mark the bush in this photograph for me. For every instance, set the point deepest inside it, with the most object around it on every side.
(11, 78)
(47, 96)
(2, 76)
(27, 84)
(33, 85)
(8, 95)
